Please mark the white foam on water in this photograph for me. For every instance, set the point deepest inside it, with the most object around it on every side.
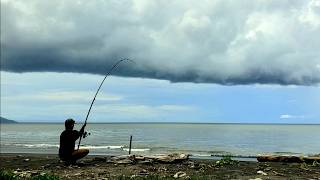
(103, 147)
(137, 150)
(38, 145)
(57, 146)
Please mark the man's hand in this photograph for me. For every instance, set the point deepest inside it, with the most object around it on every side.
(82, 129)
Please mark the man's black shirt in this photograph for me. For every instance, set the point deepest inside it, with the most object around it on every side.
(67, 142)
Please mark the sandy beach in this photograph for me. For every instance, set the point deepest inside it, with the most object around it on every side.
(98, 167)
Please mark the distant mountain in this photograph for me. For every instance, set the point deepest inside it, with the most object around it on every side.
(4, 120)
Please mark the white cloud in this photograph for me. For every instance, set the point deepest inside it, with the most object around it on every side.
(311, 14)
(288, 116)
(61, 96)
(175, 108)
(142, 110)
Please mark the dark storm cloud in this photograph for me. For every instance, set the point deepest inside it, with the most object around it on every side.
(224, 42)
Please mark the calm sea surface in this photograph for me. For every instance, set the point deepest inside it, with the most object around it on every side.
(196, 139)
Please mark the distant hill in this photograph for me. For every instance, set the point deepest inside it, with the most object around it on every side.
(4, 120)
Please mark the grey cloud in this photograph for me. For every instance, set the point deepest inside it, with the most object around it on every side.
(224, 42)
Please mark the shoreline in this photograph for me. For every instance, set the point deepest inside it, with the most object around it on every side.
(215, 157)
(98, 167)
(192, 157)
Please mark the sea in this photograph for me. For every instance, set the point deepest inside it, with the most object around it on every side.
(198, 140)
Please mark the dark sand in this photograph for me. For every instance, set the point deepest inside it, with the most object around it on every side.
(96, 167)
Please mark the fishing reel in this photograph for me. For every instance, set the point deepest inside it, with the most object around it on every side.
(85, 134)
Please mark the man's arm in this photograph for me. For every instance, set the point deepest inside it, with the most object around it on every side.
(82, 129)
(77, 134)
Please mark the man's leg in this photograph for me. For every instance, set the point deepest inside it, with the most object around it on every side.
(80, 153)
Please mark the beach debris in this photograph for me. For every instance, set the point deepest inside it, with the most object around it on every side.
(311, 159)
(256, 179)
(162, 169)
(133, 176)
(33, 173)
(143, 172)
(162, 158)
(139, 158)
(66, 176)
(180, 174)
(25, 174)
(165, 158)
(92, 175)
(304, 166)
(124, 159)
(191, 164)
(290, 159)
(26, 160)
(267, 169)
(316, 164)
(147, 161)
(262, 173)
(277, 173)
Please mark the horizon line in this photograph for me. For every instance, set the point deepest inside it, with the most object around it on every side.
(139, 122)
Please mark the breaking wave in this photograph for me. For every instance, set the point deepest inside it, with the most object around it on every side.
(57, 146)
(103, 147)
(137, 150)
(36, 145)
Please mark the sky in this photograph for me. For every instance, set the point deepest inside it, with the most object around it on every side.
(218, 61)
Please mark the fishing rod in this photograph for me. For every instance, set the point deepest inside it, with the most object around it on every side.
(109, 72)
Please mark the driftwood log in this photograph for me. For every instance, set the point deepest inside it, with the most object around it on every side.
(291, 159)
(169, 158)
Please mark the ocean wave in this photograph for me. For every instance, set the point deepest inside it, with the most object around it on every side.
(137, 150)
(42, 145)
(102, 147)
(37, 145)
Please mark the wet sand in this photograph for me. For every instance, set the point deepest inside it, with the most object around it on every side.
(97, 167)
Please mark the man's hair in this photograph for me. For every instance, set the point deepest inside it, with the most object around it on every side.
(69, 123)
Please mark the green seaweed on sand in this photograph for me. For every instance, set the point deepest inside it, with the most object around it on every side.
(7, 175)
(226, 160)
(45, 177)
(10, 175)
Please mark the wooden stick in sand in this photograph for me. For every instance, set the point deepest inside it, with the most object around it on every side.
(130, 144)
